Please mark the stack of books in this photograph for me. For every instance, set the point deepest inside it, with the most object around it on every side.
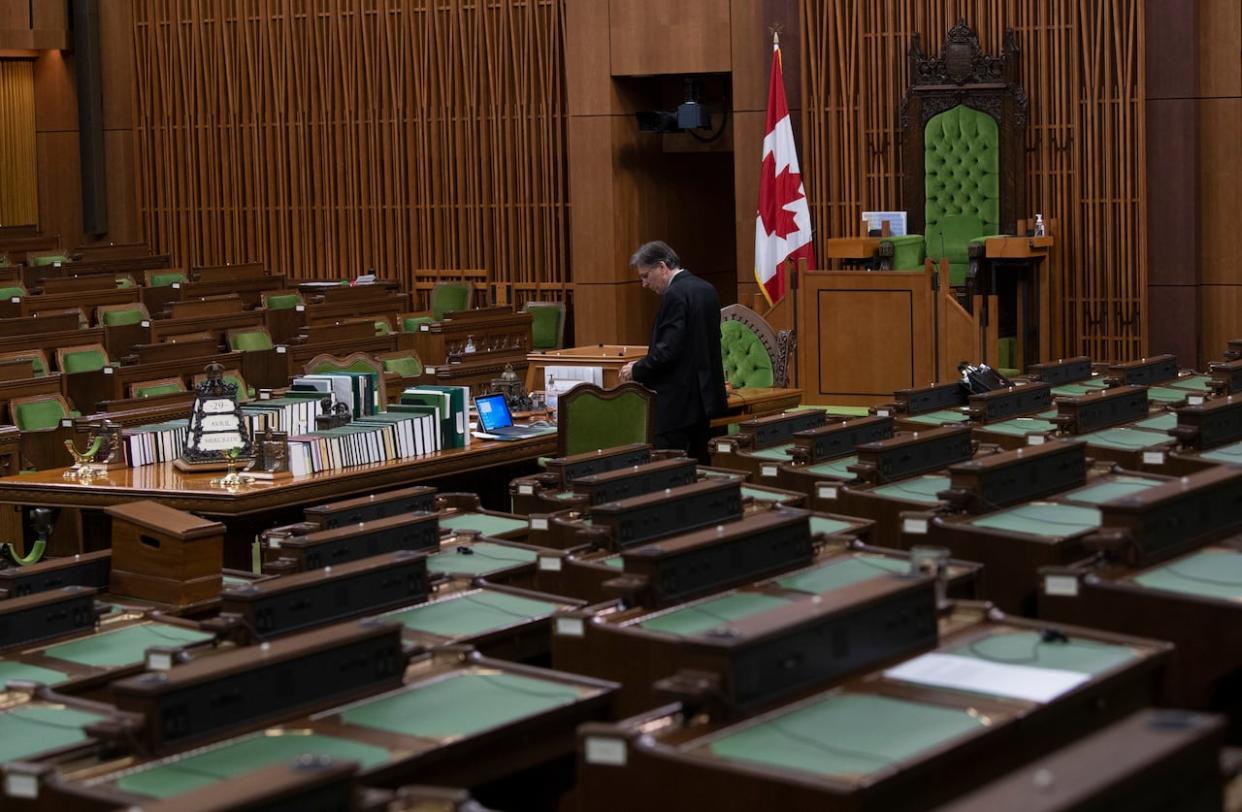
(157, 442)
(358, 390)
(374, 438)
(292, 414)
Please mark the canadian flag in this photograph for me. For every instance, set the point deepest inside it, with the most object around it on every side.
(783, 222)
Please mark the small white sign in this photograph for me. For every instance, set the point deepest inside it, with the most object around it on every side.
(19, 785)
(526, 490)
(608, 752)
(426, 328)
(539, 524)
(281, 349)
(220, 442)
(1035, 439)
(768, 470)
(881, 412)
(299, 308)
(569, 626)
(1061, 585)
(1153, 458)
(550, 563)
(915, 527)
(107, 370)
(219, 422)
(1195, 400)
(217, 406)
(827, 491)
(145, 323)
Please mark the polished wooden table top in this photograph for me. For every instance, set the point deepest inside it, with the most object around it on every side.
(192, 491)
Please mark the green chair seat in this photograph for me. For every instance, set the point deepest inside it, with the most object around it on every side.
(382, 327)
(250, 341)
(589, 422)
(12, 292)
(125, 282)
(160, 389)
(412, 324)
(120, 318)
(39, 415)
(89, 360)
(284, 301)
(545, 326)
(47, 259)
(746, 360)
(449, 297)
(408, 366)
(164, 280)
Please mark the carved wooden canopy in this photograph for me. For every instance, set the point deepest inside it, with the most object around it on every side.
(963, 74)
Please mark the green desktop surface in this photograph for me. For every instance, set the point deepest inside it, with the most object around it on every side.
(202, 768)
(1028, 648)
(485, 558)
(1160, 422)
(1195, 383)
(485, 524)
(1215, 573)
(699, 617)
(762, 495)
(460, 705)
(1021, 426)
(1042, 519)
(1228, 455)
(30, 673)
(834, 469)
(1125, 439)
(123, 646)
(776, 454)
(843, 572)
(1112, 488)
(821, 525)
(1163, 394)
(938, 417)
(615, 561)
(845, 734)
(471, 613)
(29, 729)
(921, 489)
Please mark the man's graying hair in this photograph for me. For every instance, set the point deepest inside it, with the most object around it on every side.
(651, 253)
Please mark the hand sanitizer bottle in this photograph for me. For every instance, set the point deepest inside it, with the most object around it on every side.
(1039, 225)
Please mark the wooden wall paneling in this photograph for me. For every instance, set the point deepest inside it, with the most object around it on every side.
(1218, 47)
(1081, 68)
(588, 85)
(332, 136)
(654, 36)
(619, 313)
(1220, 306)
(14, 14)
(19, 182)
(1219, 241)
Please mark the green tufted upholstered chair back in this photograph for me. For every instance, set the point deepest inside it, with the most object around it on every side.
(961, 185)
(449, 297)
(590, 418)
(754, 354)
(746, 360)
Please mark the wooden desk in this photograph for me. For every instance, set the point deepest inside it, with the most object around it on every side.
(753, 401)
(1011, 270)
(610, 357)
(854, 251)
(254, 507)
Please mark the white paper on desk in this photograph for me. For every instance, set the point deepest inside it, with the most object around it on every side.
(896, 221)
(999, 679)
(593, 375)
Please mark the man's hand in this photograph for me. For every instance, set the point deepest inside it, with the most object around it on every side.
(627, 373)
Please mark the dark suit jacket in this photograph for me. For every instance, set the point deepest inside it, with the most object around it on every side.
(683, 362)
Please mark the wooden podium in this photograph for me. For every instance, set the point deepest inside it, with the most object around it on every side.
(864, 334)
(1013, 270)
(164, 555)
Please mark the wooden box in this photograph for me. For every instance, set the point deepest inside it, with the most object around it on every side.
(164, 555)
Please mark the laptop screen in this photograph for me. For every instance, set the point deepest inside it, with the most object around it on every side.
(493, 412)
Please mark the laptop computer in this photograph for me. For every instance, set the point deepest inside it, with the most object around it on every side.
(495, 419)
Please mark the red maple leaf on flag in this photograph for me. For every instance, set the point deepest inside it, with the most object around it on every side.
(775, 193)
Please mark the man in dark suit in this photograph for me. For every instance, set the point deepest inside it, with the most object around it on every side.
(683, 363)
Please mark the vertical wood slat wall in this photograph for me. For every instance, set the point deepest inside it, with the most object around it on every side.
(19, 175)
(324, 137)
(1082, 67)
